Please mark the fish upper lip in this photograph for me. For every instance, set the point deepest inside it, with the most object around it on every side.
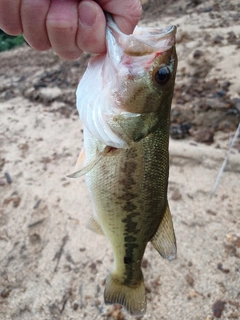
(155, 32)
(143, 41)
(159, 39)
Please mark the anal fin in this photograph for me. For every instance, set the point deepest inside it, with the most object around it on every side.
(164, 240)
(94, 226)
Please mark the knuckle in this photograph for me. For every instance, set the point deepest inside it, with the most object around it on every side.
(69, 55)
(41, 46)
(61, 24)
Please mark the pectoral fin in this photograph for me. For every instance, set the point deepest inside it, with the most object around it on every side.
(81, 159)
(85, 168)
(164, 240)
(94, 226)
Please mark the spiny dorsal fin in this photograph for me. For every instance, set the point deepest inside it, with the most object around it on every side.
(164, 240)
(132, 298)
(94, 226)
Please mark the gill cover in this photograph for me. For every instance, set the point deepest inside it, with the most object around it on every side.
(99, 104)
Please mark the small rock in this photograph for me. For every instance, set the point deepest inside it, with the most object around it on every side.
(234, 315)
(144, 263)
(220, 267)
(217, 308)
(190, 280)
(2, 162)
(176, 195)
(50, 94)
(155, 283)
(194, 3)
(224, 196)
(16, 201)
(192, 294)
(234, 303)
(231, 37)
(236, 102)
(37, 204)
(8, 177)
(75, 306)
(65, 111)
(197, 54)
(207, 9)
(93, 268)
(213, 213)
(35, 239)
(204, 135)
(179, 131)
(115, 312)
(4, 293)
(232, 245)
(148, 288)
(218, 39)
(97, 302)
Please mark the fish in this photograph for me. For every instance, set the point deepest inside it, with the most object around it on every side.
(124, 101)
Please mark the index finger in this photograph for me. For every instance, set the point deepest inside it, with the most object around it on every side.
(10, 20)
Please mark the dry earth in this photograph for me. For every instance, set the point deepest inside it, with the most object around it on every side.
(51, 266)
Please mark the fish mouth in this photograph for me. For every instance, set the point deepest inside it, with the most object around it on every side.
(155, 33)
(143, 41)
(153, 39)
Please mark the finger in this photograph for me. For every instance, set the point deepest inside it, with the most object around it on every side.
(91, 27)
(34, 13)
(62, 21)
(10, 20)
(125, 13)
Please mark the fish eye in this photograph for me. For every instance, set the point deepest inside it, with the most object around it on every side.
(162, 75)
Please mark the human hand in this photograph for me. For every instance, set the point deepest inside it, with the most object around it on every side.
(68, 26)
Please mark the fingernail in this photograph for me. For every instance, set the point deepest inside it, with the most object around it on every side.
(87, 14)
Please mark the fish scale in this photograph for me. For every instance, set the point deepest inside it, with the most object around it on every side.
(125, 154)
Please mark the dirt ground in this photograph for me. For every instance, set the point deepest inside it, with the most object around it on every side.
(51, 266)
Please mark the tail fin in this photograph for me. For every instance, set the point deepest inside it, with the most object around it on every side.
(132, 298)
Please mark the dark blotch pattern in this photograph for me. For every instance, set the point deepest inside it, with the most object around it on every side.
(127, 260)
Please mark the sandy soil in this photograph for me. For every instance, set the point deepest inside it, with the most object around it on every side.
(51, 266)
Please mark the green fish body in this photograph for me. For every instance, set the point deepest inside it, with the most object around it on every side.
(125, 110)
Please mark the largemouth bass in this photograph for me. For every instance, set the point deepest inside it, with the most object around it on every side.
(124, 101)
